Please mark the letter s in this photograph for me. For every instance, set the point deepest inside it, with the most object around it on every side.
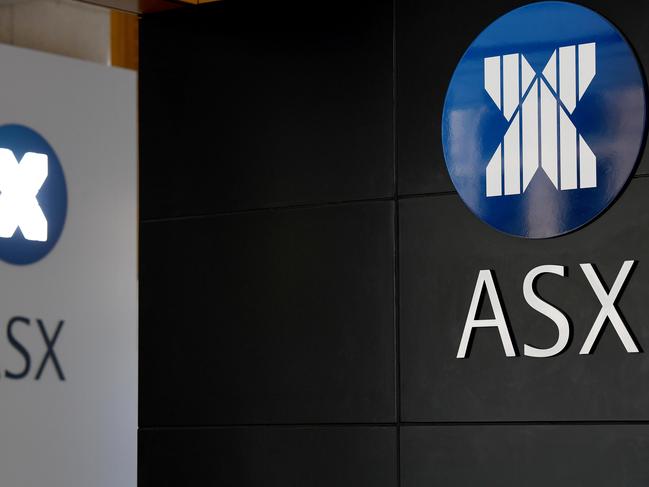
(19, 347)
(548, 310)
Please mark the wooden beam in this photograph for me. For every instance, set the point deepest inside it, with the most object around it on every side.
(124, 40)
(137, 6)
(198, 2)
(145, 6)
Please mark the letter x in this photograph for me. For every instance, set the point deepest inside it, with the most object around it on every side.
(608, 308)
(49, 343)
(19, 185)
(541, 136)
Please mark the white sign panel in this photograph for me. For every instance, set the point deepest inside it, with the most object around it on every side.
(68, 264)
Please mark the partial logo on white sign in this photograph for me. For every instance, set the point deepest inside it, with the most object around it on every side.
(68, 265)
(19, 184)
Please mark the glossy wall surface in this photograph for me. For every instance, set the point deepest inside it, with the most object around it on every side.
(306, 266)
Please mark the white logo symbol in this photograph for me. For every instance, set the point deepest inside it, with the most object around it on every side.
(19, 185)
(538, 108)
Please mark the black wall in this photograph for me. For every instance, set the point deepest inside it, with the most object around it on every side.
(306, 267)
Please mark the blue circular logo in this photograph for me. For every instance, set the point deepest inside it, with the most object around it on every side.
(33, 196)
(544, 119)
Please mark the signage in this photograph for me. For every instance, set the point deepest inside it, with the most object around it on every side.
(608, 312)
(68, 272)
(544, 120)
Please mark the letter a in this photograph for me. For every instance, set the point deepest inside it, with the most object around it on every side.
(485, 279)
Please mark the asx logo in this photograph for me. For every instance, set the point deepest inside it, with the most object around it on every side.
(544, 120)
(19, 184)
(540, 134)
(33, 196)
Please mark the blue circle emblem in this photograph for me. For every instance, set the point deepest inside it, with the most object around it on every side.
(544, 119)
(33, 196)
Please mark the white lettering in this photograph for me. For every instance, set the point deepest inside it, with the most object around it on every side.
(485, 279)
(548, 310)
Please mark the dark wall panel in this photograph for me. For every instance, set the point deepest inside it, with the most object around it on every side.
(253, 104)
(269, 457)
(442, 249)
(431, 39)
(268, 253)
(269, 316)
(533, 456)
